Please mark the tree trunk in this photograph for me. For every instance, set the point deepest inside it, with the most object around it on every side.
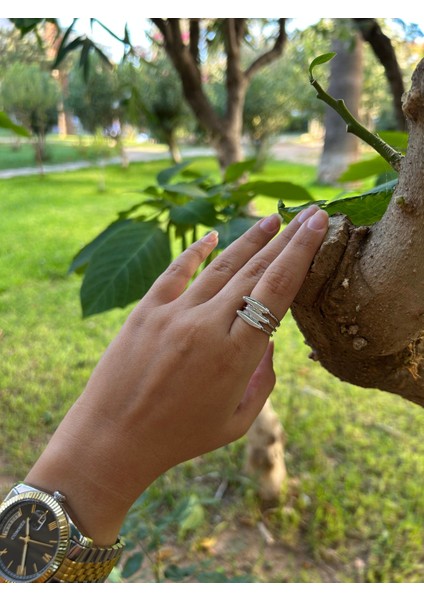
(361, 308)
(384, 51)
(342, 148)
(174, 150)
(265, 454)
(228, 148)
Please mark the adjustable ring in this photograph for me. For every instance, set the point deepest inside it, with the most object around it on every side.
(257, 315)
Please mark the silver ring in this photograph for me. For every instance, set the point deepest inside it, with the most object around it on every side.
(257, 315)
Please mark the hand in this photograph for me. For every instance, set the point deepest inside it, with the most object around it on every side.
(184, 376)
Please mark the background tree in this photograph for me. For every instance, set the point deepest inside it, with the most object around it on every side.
(184, 42)
(95, 100)
(383, 49)
(155, 101)
(15, 48)
(30, 95)
(340, 147)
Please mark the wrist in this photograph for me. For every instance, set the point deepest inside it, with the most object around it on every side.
(98, 474)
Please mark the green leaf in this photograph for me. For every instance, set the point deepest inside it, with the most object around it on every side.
(194, 212)
(233, 229)
(365, 168)
(185, 189)
(236, 170)
(7, 123)
(176, 573)
(166, 175)
(123, 268)
(132, 565)
(64, 50)
(192, 517)
(396, 139)
(82, 258)
(320, 60)
(364, 209)
(288, 213)
(277, 189)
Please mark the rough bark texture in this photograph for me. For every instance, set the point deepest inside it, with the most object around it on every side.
(225, 131)
(340, 147)
(361, 308)
(384, 51)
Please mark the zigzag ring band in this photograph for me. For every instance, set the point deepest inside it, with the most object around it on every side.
(257, 315)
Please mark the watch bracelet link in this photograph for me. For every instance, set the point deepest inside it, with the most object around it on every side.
(88, 565)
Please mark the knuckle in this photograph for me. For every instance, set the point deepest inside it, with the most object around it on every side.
(281, 282)
(223, 266)
(257, 267)
(304, 242)
(177, 268)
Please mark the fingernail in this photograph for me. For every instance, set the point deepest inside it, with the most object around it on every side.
(318, 221)
(271, 224)
(306, 213)
(211, 237)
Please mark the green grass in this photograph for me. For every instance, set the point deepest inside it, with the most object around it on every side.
(353, 509)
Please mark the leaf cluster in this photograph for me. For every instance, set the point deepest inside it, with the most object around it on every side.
(123, 261)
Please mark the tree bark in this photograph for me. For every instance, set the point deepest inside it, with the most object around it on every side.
(384, 51)
(361, 308)
(174, 149)
(341, 148)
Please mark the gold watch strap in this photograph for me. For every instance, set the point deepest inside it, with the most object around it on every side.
(88, 565)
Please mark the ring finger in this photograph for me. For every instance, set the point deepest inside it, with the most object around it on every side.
(281, 281)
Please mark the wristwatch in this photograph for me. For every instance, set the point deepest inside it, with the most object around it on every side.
(40, 542)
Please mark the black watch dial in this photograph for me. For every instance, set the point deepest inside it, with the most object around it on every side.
(30, 535)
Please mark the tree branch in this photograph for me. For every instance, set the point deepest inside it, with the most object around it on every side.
(194, 39)
(189, 72)
(392, 156)
(271, 55)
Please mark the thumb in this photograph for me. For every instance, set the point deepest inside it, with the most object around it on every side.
(258, 390)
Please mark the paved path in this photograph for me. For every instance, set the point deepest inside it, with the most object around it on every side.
(133, 154)
(287, 148)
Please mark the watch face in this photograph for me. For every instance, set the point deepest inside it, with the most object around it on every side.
(33, 537)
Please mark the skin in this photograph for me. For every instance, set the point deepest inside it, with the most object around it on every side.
(183, 377)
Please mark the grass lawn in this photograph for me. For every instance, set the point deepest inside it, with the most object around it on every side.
(352, 509)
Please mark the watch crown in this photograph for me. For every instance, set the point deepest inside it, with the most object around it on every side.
(59, 497)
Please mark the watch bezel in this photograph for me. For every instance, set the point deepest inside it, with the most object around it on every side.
(63, 527)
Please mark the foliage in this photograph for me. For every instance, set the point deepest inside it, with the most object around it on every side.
(31, 95)
(95, 100)
(7, 123)
(17, 49)
(363, 209)
(154, 100)
(125, 259)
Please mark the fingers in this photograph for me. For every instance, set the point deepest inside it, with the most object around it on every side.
(171, 284)
(241, 252)
(281, 281)
(258, 390)
(233, 258)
